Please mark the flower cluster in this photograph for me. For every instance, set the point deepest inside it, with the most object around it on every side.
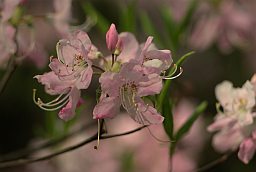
(129, 74)
(235, 124)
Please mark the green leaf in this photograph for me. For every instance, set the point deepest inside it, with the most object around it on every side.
(102, 22)
(149, 28)
(128, 17)
(168, 119)
(163, 94)
(170, 27)
(187, 18)
(188, 124)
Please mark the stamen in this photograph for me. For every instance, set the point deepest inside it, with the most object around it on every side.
(174, 71)
(98, 139)
(142, 119)
(173, 77)
(51, 106)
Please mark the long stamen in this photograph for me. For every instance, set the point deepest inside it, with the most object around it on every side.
(173, 77)
(174, 71)
(51, 106)
(98, 139)
(140, 115)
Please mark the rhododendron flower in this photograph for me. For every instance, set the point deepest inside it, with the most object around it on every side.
(126, 88)
(71, 72)
(230, 26)
(234, 123)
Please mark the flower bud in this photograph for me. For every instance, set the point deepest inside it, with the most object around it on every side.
(112, 38)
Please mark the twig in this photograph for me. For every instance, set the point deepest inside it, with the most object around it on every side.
(25, 152)
(10, 70)
(46, 157)
(212, 163)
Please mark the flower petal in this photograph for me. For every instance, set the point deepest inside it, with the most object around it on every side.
(108, 107)
(68, 112)
(151, 86)
(85, 78)
(246, 150)
(53, 85)
(130, 47)
(146, 114)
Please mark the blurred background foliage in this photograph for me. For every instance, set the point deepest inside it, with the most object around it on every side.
(22, 122)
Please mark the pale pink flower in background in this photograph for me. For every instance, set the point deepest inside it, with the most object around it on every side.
(8, 8)
(70, 73)
(7, 31)
(229, 26)
(7, 43)
(235, 123)
(62, 16)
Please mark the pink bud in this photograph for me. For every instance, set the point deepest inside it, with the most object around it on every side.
(112, 37)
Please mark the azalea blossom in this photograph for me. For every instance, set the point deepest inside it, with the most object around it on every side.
(126, 88)
(137, 74)
(71, 72)
(234, 124)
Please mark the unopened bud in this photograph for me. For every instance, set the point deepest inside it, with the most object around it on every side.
(112, 37)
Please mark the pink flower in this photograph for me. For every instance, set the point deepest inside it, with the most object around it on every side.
(70, 73)
(126, 88)
(8, 9)
(112, 38)
(229, 26)
(235, 123)
(62, 16)
(247, 148)
(7, 43)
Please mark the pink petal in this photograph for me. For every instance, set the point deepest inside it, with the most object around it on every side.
(163, 55)
(112, 37)
(85, 78)
(147, 114)
(68, 112)
(151, 86)
(110, 83)
(227, 140)
(246, 150)
(8, 9)
(108, 107)
(53, 85)
(221, 123)
(130, 47)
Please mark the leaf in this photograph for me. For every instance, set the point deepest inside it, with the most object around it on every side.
(188, 124)
(170, 27)
(168, 119)
(162, 96)
(102, 22)
(187, 18)
(127, 17)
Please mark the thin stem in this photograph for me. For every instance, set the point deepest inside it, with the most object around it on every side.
(212, 163)
(97, 67)
(25, 152)
(9, 72)
(46, 157)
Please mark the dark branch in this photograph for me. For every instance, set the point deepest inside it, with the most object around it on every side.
(86, 141)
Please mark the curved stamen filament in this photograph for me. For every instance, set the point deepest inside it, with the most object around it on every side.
(51, 106)
(98, 138)
(174, 71)
(173, 77)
